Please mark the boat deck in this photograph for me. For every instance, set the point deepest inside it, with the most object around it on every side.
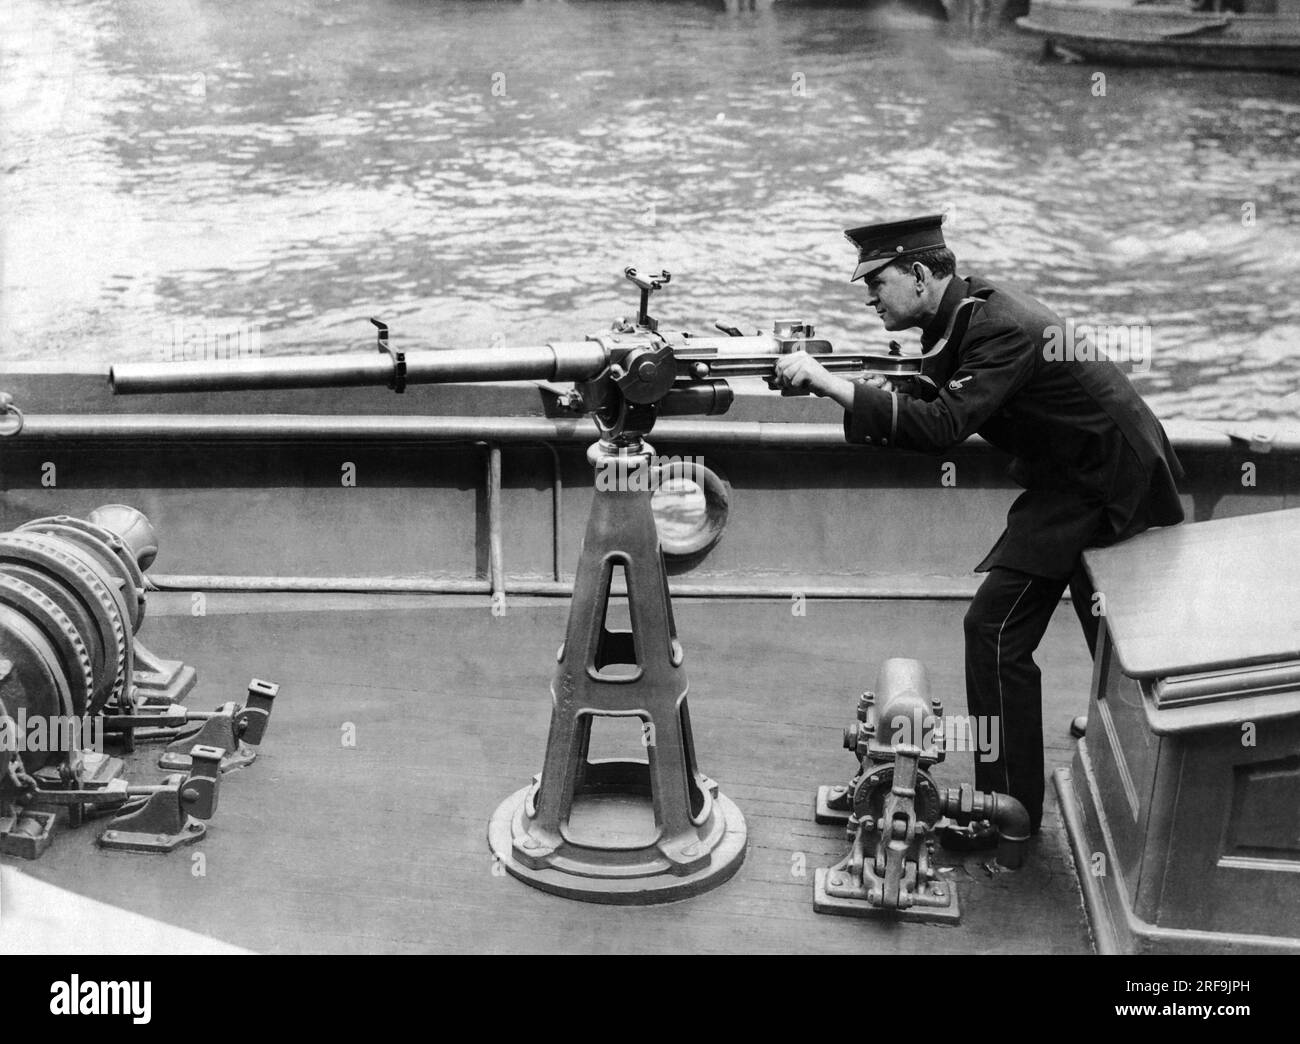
(381, 846)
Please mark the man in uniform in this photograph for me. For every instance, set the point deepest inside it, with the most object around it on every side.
(1095, 463)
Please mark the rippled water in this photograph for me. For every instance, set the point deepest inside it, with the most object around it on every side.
(182, 172)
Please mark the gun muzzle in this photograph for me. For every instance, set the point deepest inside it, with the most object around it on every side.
(564, 361)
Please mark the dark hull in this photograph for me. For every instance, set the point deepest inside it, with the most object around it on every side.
(1152, 35)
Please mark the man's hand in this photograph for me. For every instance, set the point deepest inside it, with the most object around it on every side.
(799, 371)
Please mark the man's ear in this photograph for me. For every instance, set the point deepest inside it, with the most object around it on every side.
(920, 273)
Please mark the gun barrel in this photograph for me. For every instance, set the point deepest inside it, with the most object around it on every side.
(564, 361)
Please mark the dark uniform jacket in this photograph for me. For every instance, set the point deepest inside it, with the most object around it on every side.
(1096, 465)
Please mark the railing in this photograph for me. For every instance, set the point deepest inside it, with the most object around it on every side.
(873, 527)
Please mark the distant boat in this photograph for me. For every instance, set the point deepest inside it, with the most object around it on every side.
(1260, 35)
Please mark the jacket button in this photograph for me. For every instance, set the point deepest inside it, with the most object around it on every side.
(884, 442)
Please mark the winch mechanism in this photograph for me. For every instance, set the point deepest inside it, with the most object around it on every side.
(73, 678)
(893, 808)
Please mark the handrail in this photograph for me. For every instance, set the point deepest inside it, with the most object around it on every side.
(1185, 435)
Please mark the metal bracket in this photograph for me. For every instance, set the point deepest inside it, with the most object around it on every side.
(25, 834)
(87, 780)
(170, 816)
(398, 381)
(1258, 442)
(85, 772)
(236, 730)
(834, 804)
(647, 285)
(157, 682)
(888, 872)
(839, 891)
(153, 711)
(256, 715)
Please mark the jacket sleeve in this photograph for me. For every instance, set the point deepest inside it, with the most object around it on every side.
(995, 363)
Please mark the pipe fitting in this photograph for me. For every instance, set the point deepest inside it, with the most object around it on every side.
(1012, 822)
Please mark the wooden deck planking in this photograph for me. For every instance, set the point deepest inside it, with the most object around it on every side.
(381, 847)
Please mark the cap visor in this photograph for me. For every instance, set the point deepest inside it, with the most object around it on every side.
(867, 267)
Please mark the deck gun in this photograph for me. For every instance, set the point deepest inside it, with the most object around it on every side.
(623, 379)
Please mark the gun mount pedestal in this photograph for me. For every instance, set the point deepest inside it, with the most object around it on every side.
(620, 831)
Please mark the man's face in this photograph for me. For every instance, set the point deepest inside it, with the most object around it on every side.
(892, 293)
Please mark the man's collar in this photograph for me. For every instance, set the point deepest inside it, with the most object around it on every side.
(953, 294)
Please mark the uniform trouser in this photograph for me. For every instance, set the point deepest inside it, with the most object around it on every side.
(1004, 625)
